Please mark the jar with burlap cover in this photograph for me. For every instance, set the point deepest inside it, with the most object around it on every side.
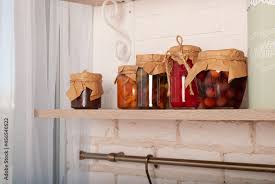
(129, 71)
(80, 82)
(127, 87)
(179, 61)
(151, 94)
(152, 64)
(232, 61)
(221, 76)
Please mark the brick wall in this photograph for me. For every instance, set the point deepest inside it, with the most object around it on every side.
(221, 141)
(153, 25)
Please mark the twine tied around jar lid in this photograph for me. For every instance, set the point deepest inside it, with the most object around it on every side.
(188, 51)
(232, 61)
(181, 54)
(80, 81)
(129, 71)
(153, 64)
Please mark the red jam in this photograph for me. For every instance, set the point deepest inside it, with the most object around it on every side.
(176, 98)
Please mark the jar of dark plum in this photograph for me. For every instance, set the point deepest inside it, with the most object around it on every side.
(127, 87)
(221, 77)
(152, 81)
(180, 60)
(85, 90)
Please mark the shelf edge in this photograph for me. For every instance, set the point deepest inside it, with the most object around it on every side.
(187, 115)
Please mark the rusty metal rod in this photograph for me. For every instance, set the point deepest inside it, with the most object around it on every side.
(116, 157)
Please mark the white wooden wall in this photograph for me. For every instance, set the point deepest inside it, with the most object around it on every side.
(87, 43)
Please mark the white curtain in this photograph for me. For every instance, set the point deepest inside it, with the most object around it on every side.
(76, 55)
(52, 39)
(6, 89)
(36, 60)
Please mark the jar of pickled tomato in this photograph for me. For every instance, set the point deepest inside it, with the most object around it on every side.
(180, 60)
(221, 77)
(127, 87)
(152, 81)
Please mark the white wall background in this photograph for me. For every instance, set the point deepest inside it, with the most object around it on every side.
(87, 43)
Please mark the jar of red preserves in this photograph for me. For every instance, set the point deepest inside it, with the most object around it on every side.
(152, 81)
(221, 77)
(127, 87)
(85, 90)
(180, 60)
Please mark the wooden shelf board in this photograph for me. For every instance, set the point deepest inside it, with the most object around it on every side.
(188, 115)
(90, 2)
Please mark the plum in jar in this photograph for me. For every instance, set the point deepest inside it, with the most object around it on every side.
(221, 78)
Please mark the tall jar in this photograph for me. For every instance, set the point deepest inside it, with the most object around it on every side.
(180, 60)
(221, 77)
(261, 58)
(152, 82)
(127, 87)
(85, 90)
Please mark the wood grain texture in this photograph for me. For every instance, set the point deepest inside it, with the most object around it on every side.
(90, 2)
(188, 115)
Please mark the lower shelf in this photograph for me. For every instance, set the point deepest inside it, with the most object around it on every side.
(188, 115)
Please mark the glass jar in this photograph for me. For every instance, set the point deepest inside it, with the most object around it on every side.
(143, 89)
(152, 82)
(221, 77)
(84, 102)
(180, 60)
(127, 87)
(261, 46)
(85, 90)
(179, 96)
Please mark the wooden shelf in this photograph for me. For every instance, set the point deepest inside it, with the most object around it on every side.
(188, 115)
(90, 2)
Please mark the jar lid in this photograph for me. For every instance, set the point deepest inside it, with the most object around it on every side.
(127, 69)
(86, 76)
(190, 50)
(186, 51)
(225, 54)
(145, 58)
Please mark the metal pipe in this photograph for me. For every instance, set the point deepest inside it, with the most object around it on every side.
(116, 157)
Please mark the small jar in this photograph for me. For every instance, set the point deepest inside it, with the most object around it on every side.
(221, 77)
(127, 87)
(179, 62)
(152, 82)
(85, 90)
